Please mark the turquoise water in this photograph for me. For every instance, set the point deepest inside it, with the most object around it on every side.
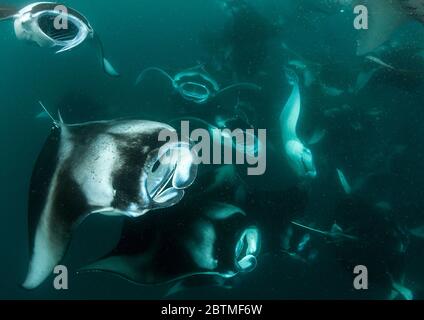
(374, 136)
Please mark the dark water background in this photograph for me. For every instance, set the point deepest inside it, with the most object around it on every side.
(172, 34)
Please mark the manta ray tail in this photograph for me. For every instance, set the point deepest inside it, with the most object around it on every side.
(161, 71)
(106, 65)
(7, 13)
(309, 228)
(385, 16)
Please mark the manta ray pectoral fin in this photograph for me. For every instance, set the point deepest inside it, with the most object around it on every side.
(44, 258)
(109, 69)
(291, 110)
(56, 206)
(123, 266)
(385, 16)
(186, 245)
(7, 13)
(49, 246)
(222, 211)
(200, 66)
(161, 71)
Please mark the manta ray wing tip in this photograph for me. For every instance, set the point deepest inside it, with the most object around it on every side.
(30, 283)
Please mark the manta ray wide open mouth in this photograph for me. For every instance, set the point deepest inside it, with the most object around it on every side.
(195, 91)
(49, 24)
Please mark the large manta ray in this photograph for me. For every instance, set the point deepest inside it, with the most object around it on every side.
(214, 239)
(106, 167)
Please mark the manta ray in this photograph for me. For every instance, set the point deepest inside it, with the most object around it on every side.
(37, 23)
(214, 240)
(104, 167)
(385, 16)
(299, 157)
(195, 84)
